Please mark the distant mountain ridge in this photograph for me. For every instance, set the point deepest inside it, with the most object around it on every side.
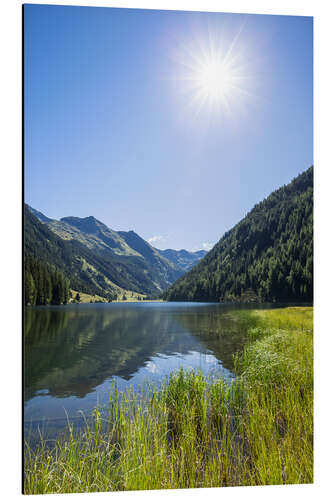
(267, 256)
(183, 258)
(104, 259)
(88, 271)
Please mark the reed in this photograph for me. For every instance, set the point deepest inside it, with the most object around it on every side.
(194, 431)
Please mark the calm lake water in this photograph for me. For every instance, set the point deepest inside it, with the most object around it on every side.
(74, 353)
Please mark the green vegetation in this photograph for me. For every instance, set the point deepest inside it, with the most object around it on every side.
(67, 257)
(97, 260)
(198, 432)
(87, 270)
(44, 284)
(267, 256)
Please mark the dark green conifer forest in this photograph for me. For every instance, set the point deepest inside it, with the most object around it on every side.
(90, 271)
(44, 284)
(267, 256)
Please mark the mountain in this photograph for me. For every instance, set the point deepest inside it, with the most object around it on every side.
(39, 215)
(166, 272)
(97, 259)
(88, 271)
(92, 233)
(267, 256)
(182, 258)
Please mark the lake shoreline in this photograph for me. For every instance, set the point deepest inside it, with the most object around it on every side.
(187, 439)
(161, 301)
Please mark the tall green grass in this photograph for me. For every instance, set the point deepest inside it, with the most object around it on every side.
(194, 431)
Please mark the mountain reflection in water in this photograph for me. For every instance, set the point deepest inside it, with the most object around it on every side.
(73, 353)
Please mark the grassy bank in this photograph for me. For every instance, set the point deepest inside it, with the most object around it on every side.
(199, 432)
(86, 298)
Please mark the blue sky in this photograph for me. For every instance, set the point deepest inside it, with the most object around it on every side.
(114, 127)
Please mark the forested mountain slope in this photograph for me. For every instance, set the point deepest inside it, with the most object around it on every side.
(166, 272)
(87, 270)
(98, 260)
(267, 256)
(119, 246)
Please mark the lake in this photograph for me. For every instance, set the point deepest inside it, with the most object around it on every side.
(75, 353)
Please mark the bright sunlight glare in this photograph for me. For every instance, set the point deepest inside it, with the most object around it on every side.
(215, 79)
(215, 72)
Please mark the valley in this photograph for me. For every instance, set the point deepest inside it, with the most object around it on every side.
(102, 262)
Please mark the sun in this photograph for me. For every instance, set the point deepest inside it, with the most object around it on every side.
(215, 79)
(215, 73)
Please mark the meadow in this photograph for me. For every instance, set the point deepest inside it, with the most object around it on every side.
(194, 431)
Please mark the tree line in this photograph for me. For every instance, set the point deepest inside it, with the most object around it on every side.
(268, 256)
(44, 284)
(89, 271)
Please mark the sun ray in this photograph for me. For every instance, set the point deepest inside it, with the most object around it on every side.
(216, 73)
